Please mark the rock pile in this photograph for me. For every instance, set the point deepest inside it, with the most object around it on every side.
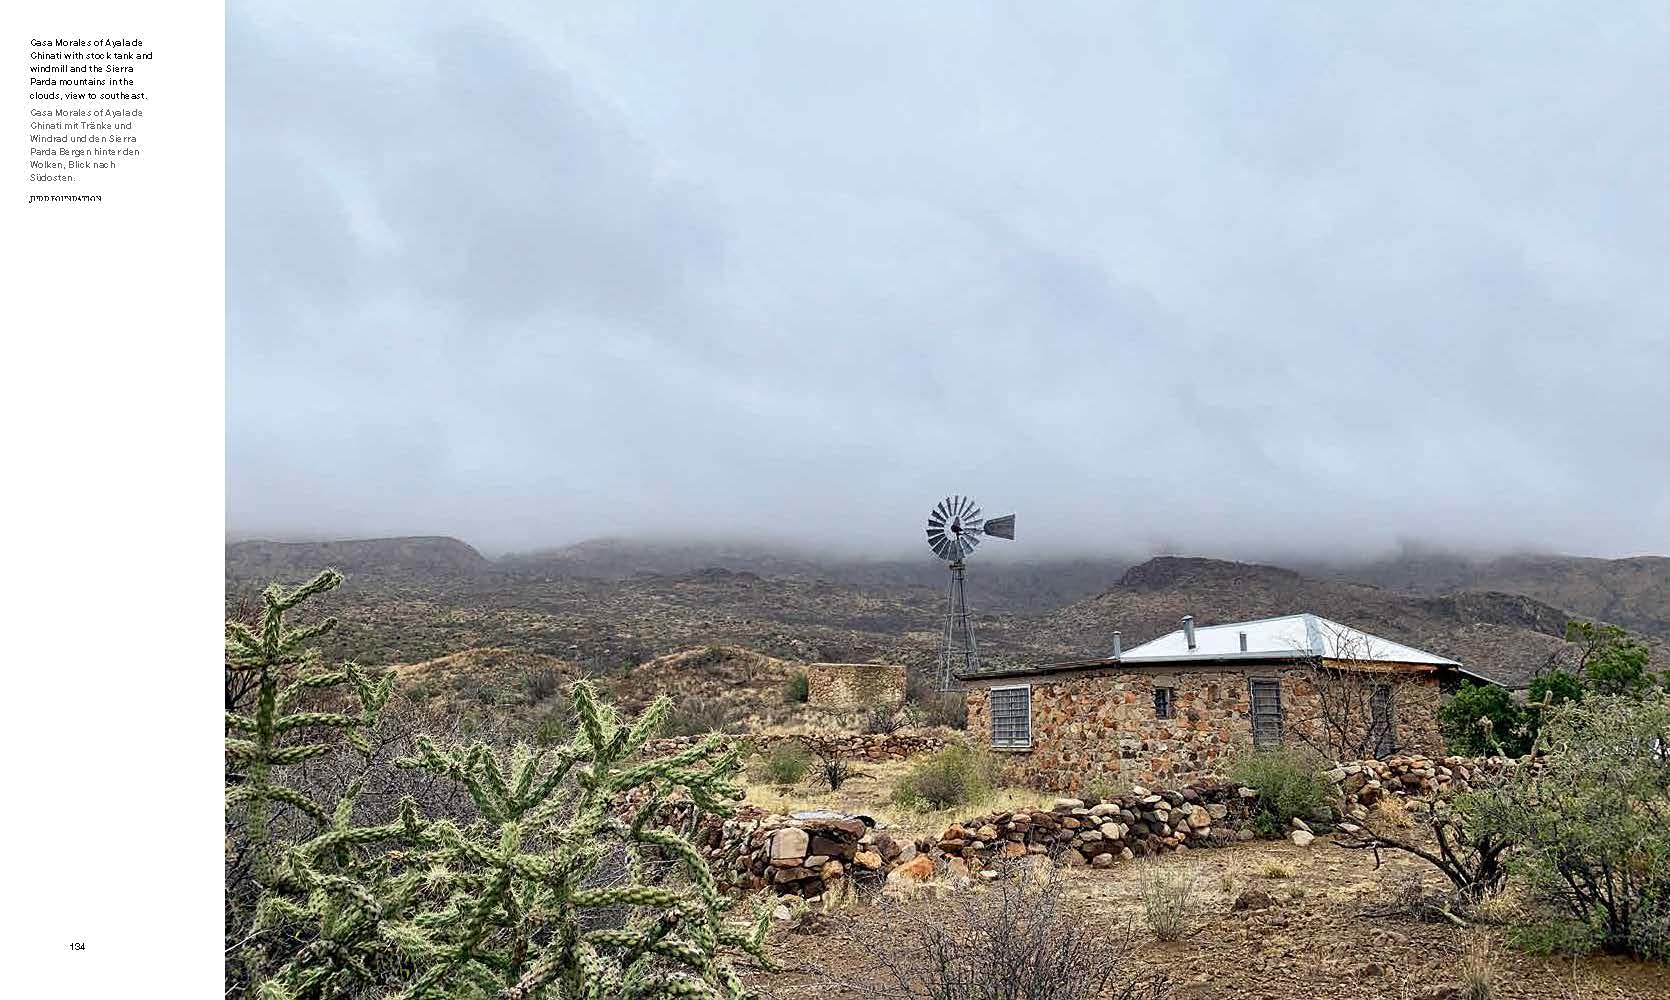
(805, 854)
(1362, 783)
(808, 854)
(1075, 833)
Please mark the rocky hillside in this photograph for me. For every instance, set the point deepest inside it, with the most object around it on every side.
(415, 600)
(1507, 636)
(421, 558)
(1030, 585)
(1634, 593)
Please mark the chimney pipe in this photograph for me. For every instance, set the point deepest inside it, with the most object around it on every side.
(1189, 631)
(1116, 649)
(1243, 642)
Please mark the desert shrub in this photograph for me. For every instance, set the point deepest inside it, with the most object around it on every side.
(932, 706)
(882, 720)
(836, 769)
(1459, 720)
(543, 682)
(798, 688)
(1559, 937)
(954, 776)
(1290, 784)
(700, 716)
(1168, 900)
(1589, 826)
(542, 891)
(1019, 938)
(948, 709)
(785, 763)
(1454, 833)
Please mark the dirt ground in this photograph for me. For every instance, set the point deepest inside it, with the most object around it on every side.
(1315, 943)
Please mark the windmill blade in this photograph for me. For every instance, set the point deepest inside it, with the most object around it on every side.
(1000, 527)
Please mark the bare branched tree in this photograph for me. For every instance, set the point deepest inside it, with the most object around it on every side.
(1351, 713)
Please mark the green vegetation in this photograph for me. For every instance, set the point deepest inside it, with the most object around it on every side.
(1607, 662)
(798, 689)
(1460, 720)
(541, 891)
(785, 764)
(1168, 900)
(954, 776)
(1290, 784)
(1588, 827)
(1610, 662)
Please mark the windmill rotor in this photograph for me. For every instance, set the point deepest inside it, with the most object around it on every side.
(955, 527)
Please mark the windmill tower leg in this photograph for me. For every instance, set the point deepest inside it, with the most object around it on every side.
(958, 652)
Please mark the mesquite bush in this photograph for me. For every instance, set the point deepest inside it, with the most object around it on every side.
(556, 888)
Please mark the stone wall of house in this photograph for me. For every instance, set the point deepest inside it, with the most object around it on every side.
(855, 685)
(1097, 728)
(1328, 710)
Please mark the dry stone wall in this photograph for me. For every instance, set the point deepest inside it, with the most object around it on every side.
(1098, 834)
(850, 746)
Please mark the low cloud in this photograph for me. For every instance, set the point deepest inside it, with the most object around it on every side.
(1300, 281)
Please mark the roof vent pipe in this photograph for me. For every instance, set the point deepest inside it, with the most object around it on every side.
(1116, 649)
(1243, 642)
(1189, 631)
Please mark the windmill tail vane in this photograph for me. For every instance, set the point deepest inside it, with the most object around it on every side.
(955, 527)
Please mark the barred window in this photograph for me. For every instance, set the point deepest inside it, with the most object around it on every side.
(1012, 716)
(1163, 708)
(1266, 714)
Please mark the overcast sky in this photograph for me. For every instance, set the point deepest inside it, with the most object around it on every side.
(1221, 279)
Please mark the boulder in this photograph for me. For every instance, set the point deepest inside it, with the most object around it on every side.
(787, 846)
(1301, 838)
(917, 869)
(868, 860)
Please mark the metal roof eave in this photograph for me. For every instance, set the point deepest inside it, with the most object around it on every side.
(1294, 656)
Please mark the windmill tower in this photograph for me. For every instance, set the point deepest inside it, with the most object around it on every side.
(954, 529)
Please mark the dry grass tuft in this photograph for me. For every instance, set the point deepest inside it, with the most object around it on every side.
(1478, 967)
(1168, 900)
(1389, 813)
(1272, 868)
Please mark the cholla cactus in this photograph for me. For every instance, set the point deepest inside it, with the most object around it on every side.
(283, 663)
(549, 893)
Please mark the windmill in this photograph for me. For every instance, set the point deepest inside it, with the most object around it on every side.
(954, 529)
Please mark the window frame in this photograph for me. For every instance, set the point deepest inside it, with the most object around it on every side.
(1387, 736)
(991, 704)
(1170, 692)
(1252, 712)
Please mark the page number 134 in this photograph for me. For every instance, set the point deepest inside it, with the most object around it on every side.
(78, 946)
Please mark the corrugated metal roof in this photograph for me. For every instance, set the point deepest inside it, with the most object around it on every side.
(1291, 635)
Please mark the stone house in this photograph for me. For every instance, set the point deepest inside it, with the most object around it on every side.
(1177, 708)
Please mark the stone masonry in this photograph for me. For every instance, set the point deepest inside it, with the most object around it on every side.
(855, 685)
(1097, 728)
